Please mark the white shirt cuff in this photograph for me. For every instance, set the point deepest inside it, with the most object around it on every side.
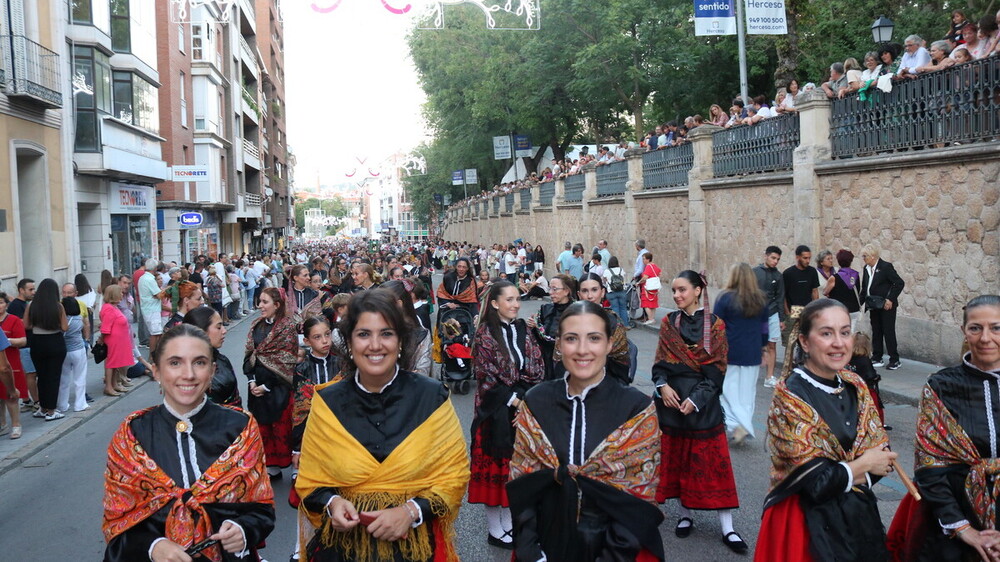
(153, 545)
(512, 399)
(946, 528)
(693, 405)
(420, 513)
(246, 547)
(264, 386)
(850, 477)
(326, 508)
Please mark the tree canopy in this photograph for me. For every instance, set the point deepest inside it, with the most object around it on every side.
(599, 72)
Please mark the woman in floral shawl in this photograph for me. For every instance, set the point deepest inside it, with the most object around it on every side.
(269, 364)
(506, 362)
(956, 453)
(186, 471)
(688, 373)
(827, 449)
(586, 458)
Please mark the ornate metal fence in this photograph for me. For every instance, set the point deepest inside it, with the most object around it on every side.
(509, 203)
(611, 179)
(766, 146)
(546, 192)
(526, 198)
(496, 204)
(574, 188)
(957, 105)
(668, 167)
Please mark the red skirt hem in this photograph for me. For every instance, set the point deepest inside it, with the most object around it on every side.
(488, 483)
(277, 438)
(696, 468)
(783, 533)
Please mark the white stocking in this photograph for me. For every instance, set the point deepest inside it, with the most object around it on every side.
(505, 520)
(684, 512)
(726, 521)
(493, 521)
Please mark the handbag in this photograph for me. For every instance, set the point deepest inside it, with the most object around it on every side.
(653, 284)
(874, 302)
(100, 351)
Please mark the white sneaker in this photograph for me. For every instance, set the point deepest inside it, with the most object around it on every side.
(770, 382)
(56, 415)
(878, 364)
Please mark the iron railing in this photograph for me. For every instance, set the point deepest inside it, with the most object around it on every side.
(509, 202)
(611, 179)
(766, 146)
(960, 104)
(546, 192)
(668, 167)
(31, 70)
(525, 198)
(574, 188)
(496, 204)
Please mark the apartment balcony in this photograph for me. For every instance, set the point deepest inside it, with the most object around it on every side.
(127, 153)
(251, 154)
(249, 58)
(31, 71)
(248, 206)
(252, 199)
(250, 106)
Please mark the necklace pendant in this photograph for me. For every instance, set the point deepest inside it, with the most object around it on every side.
(182, 426)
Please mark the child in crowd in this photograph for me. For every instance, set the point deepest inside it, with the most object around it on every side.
(861, 363)
(318, 370)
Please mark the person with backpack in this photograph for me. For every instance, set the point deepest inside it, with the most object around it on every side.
(614, 280)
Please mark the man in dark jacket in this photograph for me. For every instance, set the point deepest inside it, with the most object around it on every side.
(881, 285)
(773, 285)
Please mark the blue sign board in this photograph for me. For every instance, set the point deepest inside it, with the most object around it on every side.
(458, 177)
(715, 17)
(191, 219)
(522, 145)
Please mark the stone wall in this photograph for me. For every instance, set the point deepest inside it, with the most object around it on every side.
(933, 213)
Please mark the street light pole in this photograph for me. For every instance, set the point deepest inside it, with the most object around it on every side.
(741, 40)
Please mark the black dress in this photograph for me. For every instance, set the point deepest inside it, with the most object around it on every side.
(379, 422)
(268, 407)
(225, 388)
(214, 429)
(547, 331)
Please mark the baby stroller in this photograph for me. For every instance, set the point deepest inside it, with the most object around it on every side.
(456, 327)
(633, 303)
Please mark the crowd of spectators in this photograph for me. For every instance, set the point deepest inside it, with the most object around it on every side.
(964, 42)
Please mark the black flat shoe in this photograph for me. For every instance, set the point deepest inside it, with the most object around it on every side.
(737, 546)
(275, 477)
(683, 532)
(499, 543)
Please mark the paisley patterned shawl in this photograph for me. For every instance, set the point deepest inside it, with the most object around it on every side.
(628, 459)
(468, 289)
(673, 349)
(796, 434)
(941, 442)
(492, 365)
(136, 488)
(279, 350)
(312, 308)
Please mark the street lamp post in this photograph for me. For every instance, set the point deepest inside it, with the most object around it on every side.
(882, 30)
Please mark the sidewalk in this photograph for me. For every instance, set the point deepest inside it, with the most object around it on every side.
(902, 386)
(38, 433)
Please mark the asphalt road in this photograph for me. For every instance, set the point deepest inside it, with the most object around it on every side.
(52, 503)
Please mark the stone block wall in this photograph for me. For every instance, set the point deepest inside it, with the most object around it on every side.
(933, 213)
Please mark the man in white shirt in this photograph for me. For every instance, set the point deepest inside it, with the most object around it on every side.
(914, 57)
(510, 264)
(562, 256)
(640, 246)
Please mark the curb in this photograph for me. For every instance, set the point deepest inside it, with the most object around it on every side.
(18, 457)
(69, 423)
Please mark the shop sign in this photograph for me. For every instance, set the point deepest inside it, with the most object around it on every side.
(191, 219)
(190, 173)
(131, 199)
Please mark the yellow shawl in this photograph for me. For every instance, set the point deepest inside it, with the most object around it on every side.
(431, 463)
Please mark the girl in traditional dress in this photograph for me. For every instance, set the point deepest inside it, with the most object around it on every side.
(956, 453)
(545, 323)
(586, 457)
(506, 362)
(271, 354)
(225, 389)
(688, 372)
(189, 297)
(186, 471)
(384, 465)
(827, 449)
(618, 364)
(459, 288)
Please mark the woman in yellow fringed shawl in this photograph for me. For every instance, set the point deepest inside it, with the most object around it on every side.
(384, 463)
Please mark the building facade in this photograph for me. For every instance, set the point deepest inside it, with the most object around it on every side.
(116, 142)
(35, 221)
(277, 177)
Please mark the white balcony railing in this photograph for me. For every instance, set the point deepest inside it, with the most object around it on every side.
(251, 148)
(252, 199)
